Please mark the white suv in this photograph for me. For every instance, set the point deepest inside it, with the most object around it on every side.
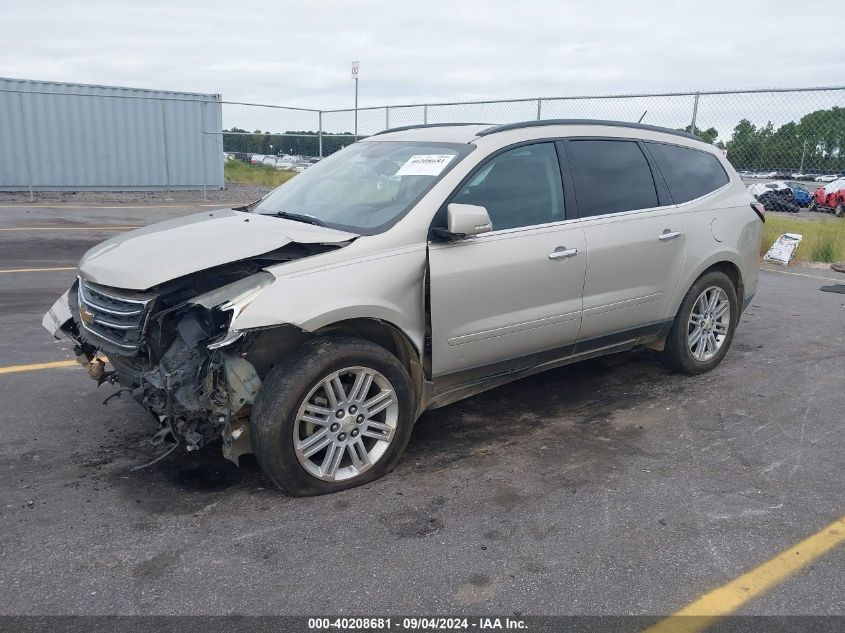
(414, 268)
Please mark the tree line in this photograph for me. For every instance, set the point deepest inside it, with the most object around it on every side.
(817, 142)
(818, 138)
(298, 142)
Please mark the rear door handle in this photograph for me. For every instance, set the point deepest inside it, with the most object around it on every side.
(561, 252)
(668, 235)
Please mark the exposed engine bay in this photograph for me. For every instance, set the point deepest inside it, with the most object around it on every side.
(171, 347)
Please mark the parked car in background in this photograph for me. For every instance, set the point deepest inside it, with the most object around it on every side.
(775, 196)
(803, 196)
(257, 159)
(285, 163)
(828, 177)
(830, 198)
(411, 270)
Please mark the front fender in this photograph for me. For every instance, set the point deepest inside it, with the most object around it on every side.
(387, 286)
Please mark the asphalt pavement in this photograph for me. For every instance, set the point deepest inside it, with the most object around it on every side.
(608, 487)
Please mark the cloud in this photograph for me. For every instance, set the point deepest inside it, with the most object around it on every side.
(299, 54)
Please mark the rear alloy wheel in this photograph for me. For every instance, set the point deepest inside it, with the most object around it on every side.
(840, 210)
(334, 414)
(708, 323)
(704, 326)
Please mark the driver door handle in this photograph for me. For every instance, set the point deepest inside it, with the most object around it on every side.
(561, 252)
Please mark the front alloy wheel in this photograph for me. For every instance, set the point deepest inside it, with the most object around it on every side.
(345, 424)
(335, 413)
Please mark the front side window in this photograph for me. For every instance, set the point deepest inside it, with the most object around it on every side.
(611, 177)
(366, 187)
(689, 173)
(519, 187)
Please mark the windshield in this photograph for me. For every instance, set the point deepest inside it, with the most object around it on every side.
(365, 188)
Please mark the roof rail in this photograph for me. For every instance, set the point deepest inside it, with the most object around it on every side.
(423, 125)
(543, 122)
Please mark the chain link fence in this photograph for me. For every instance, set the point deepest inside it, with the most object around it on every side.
(71, 137)
(796, 133)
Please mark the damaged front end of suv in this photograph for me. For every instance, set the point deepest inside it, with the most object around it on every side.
(171, 345)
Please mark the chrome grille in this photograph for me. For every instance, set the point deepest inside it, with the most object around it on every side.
(118, 320)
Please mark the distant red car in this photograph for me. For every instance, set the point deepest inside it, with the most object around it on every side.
(830, 198)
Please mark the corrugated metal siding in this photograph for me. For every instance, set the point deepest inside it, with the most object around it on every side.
(74, 137)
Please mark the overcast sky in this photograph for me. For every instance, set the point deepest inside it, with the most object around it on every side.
(299, 53)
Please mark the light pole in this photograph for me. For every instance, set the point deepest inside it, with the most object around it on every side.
(355, 77)
(803, 153)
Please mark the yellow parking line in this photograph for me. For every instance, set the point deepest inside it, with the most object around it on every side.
(33, 270)
(15, 369)
(71, 228)
(729, 597)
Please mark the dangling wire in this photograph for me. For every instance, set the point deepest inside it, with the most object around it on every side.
(159, 458)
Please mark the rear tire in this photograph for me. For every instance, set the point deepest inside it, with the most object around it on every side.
(324, 420)
(840, 210)
(704, 326)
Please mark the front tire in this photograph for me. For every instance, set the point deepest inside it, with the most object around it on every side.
(335, 414)
(704, 326)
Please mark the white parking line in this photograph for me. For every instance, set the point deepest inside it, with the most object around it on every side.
(784, 272)
(70, 228)
(59, 205)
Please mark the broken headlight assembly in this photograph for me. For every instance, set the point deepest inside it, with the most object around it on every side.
(229, 301)
(189, 377)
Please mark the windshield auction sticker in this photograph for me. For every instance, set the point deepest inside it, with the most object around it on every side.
(424, 165)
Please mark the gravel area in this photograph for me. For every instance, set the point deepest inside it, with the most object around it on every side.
(234, 192)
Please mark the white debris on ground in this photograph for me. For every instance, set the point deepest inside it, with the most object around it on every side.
(783, 249)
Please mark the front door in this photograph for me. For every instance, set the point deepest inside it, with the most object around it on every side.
(516, 290)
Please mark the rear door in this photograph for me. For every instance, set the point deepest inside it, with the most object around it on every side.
(635, 238)
(516, 290)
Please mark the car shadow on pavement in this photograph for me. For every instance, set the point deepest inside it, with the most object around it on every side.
(584, 412)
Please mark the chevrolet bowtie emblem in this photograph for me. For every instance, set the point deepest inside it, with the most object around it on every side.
(86, 316)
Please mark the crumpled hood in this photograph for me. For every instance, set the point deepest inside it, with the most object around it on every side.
(149, 256)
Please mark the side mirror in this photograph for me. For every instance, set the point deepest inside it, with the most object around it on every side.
(465, 220)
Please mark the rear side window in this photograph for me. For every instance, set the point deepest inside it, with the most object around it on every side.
(611, 177)
(689, 173)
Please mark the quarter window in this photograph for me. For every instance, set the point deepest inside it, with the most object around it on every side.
(689, 173)
(611, 177)
(520, 187)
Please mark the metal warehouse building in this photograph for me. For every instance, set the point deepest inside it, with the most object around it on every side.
(74, 137)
